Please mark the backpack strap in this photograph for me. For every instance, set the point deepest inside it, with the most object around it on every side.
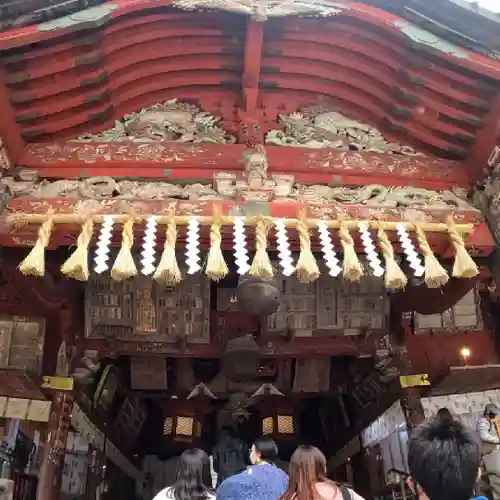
(346, 494)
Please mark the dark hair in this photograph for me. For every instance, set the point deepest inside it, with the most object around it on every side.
(307, 467)
(444, 458)
(445, 416)
(227, 431)
(267, 449)
(194, 480)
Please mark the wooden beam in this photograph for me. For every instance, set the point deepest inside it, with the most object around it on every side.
(175, 161)
(270, 348)
(252, 61)
(487, 138)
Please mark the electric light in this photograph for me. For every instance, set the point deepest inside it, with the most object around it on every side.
(465, 352)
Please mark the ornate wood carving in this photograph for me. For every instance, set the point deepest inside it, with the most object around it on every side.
(140, 310)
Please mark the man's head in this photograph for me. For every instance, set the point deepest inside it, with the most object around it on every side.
(490, 411)
(444, 459)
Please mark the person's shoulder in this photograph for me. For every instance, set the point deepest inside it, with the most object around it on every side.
(165, 493)
(354, 495)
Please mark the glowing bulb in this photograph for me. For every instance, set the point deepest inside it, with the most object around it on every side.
(465, 352)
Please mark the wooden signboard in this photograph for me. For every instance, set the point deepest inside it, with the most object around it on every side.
(326, 304)
(140, 309)
(148, 374)
(21, 343)
(465, 315)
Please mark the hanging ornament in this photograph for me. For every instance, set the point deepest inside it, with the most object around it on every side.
(411, 254)
(104, 244)
(283, 245)
(329, 255)
(240, 246)
(371, 253)
(148, 253)
(193, 246)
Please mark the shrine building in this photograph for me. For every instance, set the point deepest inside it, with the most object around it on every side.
(276, 215)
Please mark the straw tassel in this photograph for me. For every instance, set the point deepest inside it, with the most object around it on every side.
(77, 265)
(395, 278)
(307, 268)
(216, 267)
(435, 275)
(124, 266)
(351, 267)
(168, 273)
(34, 263)
(463, 266)
(261, 265)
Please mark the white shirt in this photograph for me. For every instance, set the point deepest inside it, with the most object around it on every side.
(168, 494)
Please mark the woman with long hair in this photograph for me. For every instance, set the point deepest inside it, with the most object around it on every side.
(194, 481)
(262, 481)
(307, 478)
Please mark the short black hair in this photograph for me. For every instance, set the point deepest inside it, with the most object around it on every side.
(444, 458)
(267, 448)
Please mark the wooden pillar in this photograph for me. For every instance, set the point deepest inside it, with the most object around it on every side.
(50, 477)
(401, 331)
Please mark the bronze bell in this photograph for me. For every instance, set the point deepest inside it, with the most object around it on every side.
(241, 358)
(258, 296)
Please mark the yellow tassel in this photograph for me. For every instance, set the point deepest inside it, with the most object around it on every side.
(463, 266)
(261, 265)
(124, 266)
(34, 263)
(168, 273)
(435, 274)
(307, 269)
(395, 278)
(351, 267)
(77, 265)
(216, 267)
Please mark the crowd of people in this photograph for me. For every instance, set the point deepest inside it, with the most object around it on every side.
(444, 459)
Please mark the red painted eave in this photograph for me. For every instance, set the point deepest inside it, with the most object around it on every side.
(386, 20)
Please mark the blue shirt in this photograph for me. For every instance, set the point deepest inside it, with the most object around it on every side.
(259, 482)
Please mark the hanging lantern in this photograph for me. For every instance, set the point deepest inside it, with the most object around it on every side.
(182, 422)
(278, 419)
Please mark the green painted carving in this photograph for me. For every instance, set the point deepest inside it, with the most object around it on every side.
(84, 19)
(426, 38)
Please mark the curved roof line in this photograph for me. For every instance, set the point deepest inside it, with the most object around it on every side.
(97, 16)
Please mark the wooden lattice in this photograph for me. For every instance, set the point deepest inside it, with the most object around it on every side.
(140, 309)
(285, 424)
(267, 426)
(168, 426)
(129, 421)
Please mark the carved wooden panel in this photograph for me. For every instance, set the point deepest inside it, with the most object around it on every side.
(148, 374)
(140, 309)
(21, 343)
(327, 304)
(464, 315)
(129, 421)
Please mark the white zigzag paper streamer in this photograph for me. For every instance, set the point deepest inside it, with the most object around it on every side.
(370, 250)
(148, 253)
(193, 246)
(329, 255)
(283, 245)
(240, 246)
(104, 244)
(411, 254)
